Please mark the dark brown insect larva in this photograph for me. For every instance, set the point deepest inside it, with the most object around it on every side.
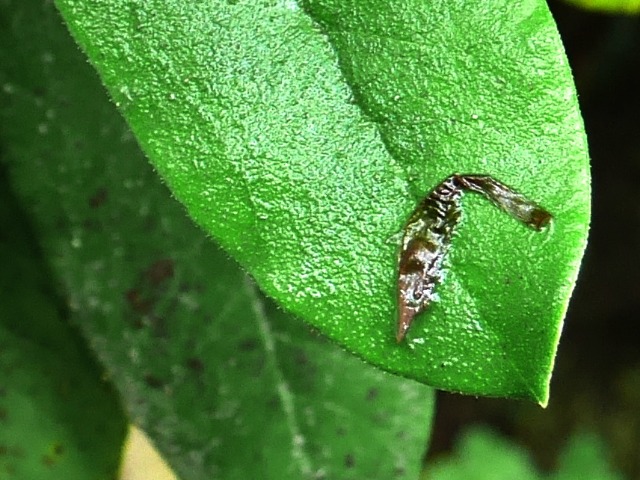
(428, 234)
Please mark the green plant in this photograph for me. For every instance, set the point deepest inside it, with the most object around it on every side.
(584, 457)
(612, 6)
(300, 136)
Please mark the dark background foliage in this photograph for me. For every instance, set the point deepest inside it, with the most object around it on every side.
(596, 385)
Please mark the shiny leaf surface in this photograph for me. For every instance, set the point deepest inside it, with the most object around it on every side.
(301, 136)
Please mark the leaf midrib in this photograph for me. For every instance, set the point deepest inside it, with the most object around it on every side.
(299, 454)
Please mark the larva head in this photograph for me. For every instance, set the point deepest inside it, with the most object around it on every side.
(416, 280)
(540, 218)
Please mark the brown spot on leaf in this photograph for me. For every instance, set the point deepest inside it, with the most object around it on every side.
(399, 472)
(58, 449)
(160, 271)
(158, 325)
(91, 225)
(39, 91)
(98, 198)
(301, 357)
(153, 381)
(137, 302)
(349, 460)
(273, 403)
(248, 344)
(372, 394)
(195, 364)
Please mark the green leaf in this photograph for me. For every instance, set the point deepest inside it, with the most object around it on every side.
(613, 6)
(301, 139)
(478, 444)
(58, 418)
(583, 457)
(225, 384)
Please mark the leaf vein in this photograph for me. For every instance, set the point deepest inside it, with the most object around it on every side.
(284, 391)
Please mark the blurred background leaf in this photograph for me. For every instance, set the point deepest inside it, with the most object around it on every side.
(482, 454)
(612, 6)
(58, 417)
